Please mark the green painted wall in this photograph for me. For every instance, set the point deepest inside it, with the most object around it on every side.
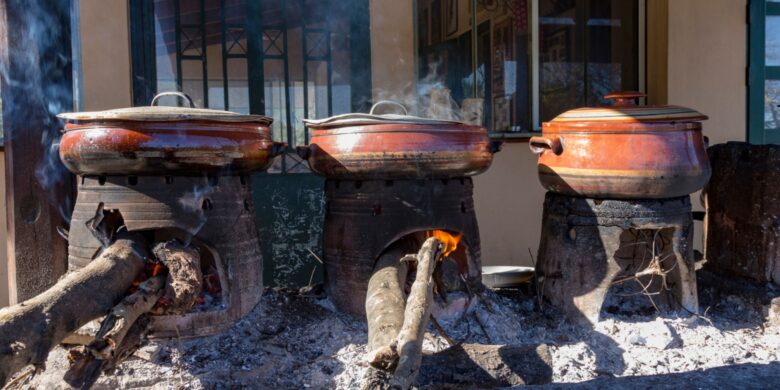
(290, 213)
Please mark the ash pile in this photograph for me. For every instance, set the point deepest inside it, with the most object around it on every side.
(296, 339)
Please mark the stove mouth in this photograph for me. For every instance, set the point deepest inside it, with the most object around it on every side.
(211, 215)
(458, 265)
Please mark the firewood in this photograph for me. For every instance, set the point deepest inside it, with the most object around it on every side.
(385, 300)
(416, 316)
(29, 330)
(118, 322)
(185, 278)
(104, 350)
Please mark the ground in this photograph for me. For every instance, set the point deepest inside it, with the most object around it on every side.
(295, 339)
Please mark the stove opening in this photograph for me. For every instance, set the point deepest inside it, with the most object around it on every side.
(214, 281)
(645, 282)
(451, 276)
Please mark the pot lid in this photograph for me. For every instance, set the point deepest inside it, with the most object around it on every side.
(357, 119)
(625, 110)
(155, 113)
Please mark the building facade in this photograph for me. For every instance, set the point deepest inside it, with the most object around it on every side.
(522, 61)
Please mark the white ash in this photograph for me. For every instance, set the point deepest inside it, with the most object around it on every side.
(296, 340)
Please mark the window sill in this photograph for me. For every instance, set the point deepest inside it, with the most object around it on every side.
(514, 137)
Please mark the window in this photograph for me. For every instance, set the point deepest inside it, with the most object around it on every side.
(529, 60)
(289, 60)
(506, 64)
(764, 72)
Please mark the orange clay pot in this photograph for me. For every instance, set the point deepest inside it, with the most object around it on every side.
(624, 151)
(383, 147)
(166, 140)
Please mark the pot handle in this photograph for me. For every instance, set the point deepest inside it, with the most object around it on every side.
(387, 103)
(539, 144)
(624, 98)
(278, 148)
(495, 146)
(178, 94)
(303, 152)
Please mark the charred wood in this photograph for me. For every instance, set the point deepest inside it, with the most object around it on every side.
(185, 278)
(416, 316)
(386, 300)
(108, 347)
(403, 352)
(29, 330)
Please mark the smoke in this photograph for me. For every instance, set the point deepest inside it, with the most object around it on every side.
(198, 201)
(37, 85)
(429, 97)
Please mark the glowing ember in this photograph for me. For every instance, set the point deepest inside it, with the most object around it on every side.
(156, 269)
(449, 240)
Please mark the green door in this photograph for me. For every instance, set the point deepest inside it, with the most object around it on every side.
(764, 72)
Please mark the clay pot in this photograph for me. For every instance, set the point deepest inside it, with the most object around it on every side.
(392, 146)
(159, 140)
(624, 151)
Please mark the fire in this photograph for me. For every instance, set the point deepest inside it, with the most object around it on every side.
(156, 269)
(449, 240)
(151, 268)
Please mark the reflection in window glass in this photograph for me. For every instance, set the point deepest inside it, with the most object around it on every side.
(772, 104)
(587, 49)
(496, 92)
(773, 40)
(302, 67)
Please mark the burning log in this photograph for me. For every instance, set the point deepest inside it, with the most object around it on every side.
(29, 330)
(416, 316)
(386, 301)
(185, 278)
(105, 349)
(404, 352)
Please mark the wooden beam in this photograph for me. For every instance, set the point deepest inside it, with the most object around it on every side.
(36, 84)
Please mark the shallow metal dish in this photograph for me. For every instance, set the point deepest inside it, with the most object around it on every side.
(502, 276)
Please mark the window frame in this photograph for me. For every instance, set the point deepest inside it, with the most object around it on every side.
(534, 77)
(144, 66)
(758, 72)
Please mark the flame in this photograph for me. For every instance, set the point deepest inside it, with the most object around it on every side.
(151, 268)
(449, 240)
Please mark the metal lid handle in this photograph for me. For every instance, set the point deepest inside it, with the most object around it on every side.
(625, 98)
(182, 95)
(387, 102)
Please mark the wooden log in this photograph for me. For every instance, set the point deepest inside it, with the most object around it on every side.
(29, 330)
(386, 300)
(105, 350)
(416, 316)
(185, 278)
(485, 366)
(122, 317)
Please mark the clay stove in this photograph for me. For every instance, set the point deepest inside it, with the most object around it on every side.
(618, 214)
(364, 218)
(392, 179)
(175, 173)
(215, 214)
(608, 254)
